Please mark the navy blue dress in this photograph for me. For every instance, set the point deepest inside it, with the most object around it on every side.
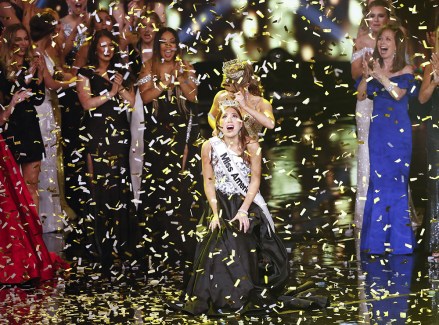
(386, 223)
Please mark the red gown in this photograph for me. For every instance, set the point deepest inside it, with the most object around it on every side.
(23, 253)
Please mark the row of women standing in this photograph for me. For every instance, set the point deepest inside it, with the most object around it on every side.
(163, 99)
(385, 84)
(166, 87)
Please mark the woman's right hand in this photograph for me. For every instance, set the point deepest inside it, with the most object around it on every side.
(214, 223)
(20, 96)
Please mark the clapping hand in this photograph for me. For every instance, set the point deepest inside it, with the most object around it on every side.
(377, 72)
(20, 96)
(117, 84)
(366, 67)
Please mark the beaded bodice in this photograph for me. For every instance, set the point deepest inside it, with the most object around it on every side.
(222, 181)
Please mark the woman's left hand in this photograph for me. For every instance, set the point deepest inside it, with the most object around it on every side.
(244, 222)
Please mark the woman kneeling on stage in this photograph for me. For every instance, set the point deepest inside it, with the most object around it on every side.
(240, 263)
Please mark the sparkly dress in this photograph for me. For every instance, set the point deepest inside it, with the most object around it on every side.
(51, 202)
(252, 126)
(363, 114)
(23, 254)
(386, 222)
(432, 222)
(137, 127)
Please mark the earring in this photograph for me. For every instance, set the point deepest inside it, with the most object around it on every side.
(220, 134)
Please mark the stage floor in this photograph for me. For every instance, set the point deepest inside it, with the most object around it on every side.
(310, 188)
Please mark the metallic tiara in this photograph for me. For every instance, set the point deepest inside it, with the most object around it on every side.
(234, 69)
(229, 103)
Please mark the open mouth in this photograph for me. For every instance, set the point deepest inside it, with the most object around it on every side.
(230, 127)
(384, 49)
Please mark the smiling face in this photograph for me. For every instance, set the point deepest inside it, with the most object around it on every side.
(230, 122)
(21, 43)
(168, 46)
(386, 44)
(105, 49)
(77, 7)
(377, 18)
(147, 29)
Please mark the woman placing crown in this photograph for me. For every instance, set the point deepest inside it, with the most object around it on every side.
(241, 84)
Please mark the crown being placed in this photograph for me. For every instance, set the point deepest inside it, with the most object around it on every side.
(234, 69)
(229, 103)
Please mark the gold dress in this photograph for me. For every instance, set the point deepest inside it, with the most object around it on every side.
(252, 126)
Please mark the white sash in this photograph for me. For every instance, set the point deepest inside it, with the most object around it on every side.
(238, 180)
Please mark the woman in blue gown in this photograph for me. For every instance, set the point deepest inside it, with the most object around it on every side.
(389, 81)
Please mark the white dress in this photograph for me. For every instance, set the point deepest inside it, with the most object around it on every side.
(363, 115)
(137, 127)
(50, 210)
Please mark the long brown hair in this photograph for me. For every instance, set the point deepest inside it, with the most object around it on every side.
(243, 135)
(7, 50)
(149, 16)
(399, 61)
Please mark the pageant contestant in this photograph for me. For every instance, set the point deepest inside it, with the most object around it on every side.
(168, 89)
(20, 69)
(239, 261)
(378, 15)
(386, 222)
(105, 95)
(429, 90)
(24, 256)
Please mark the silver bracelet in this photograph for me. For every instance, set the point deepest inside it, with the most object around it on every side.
(243, 211)
(390, 87)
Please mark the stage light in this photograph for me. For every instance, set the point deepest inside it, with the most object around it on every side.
(173, 18)
(250, 25)
(355, 13)
(237, 4)
(290, 5)
(307, 52)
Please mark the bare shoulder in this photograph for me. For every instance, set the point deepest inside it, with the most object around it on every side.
(265, 104)
(408, 69)
(252, 145)
(146, 69)
(221, 95)
(205, 148)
